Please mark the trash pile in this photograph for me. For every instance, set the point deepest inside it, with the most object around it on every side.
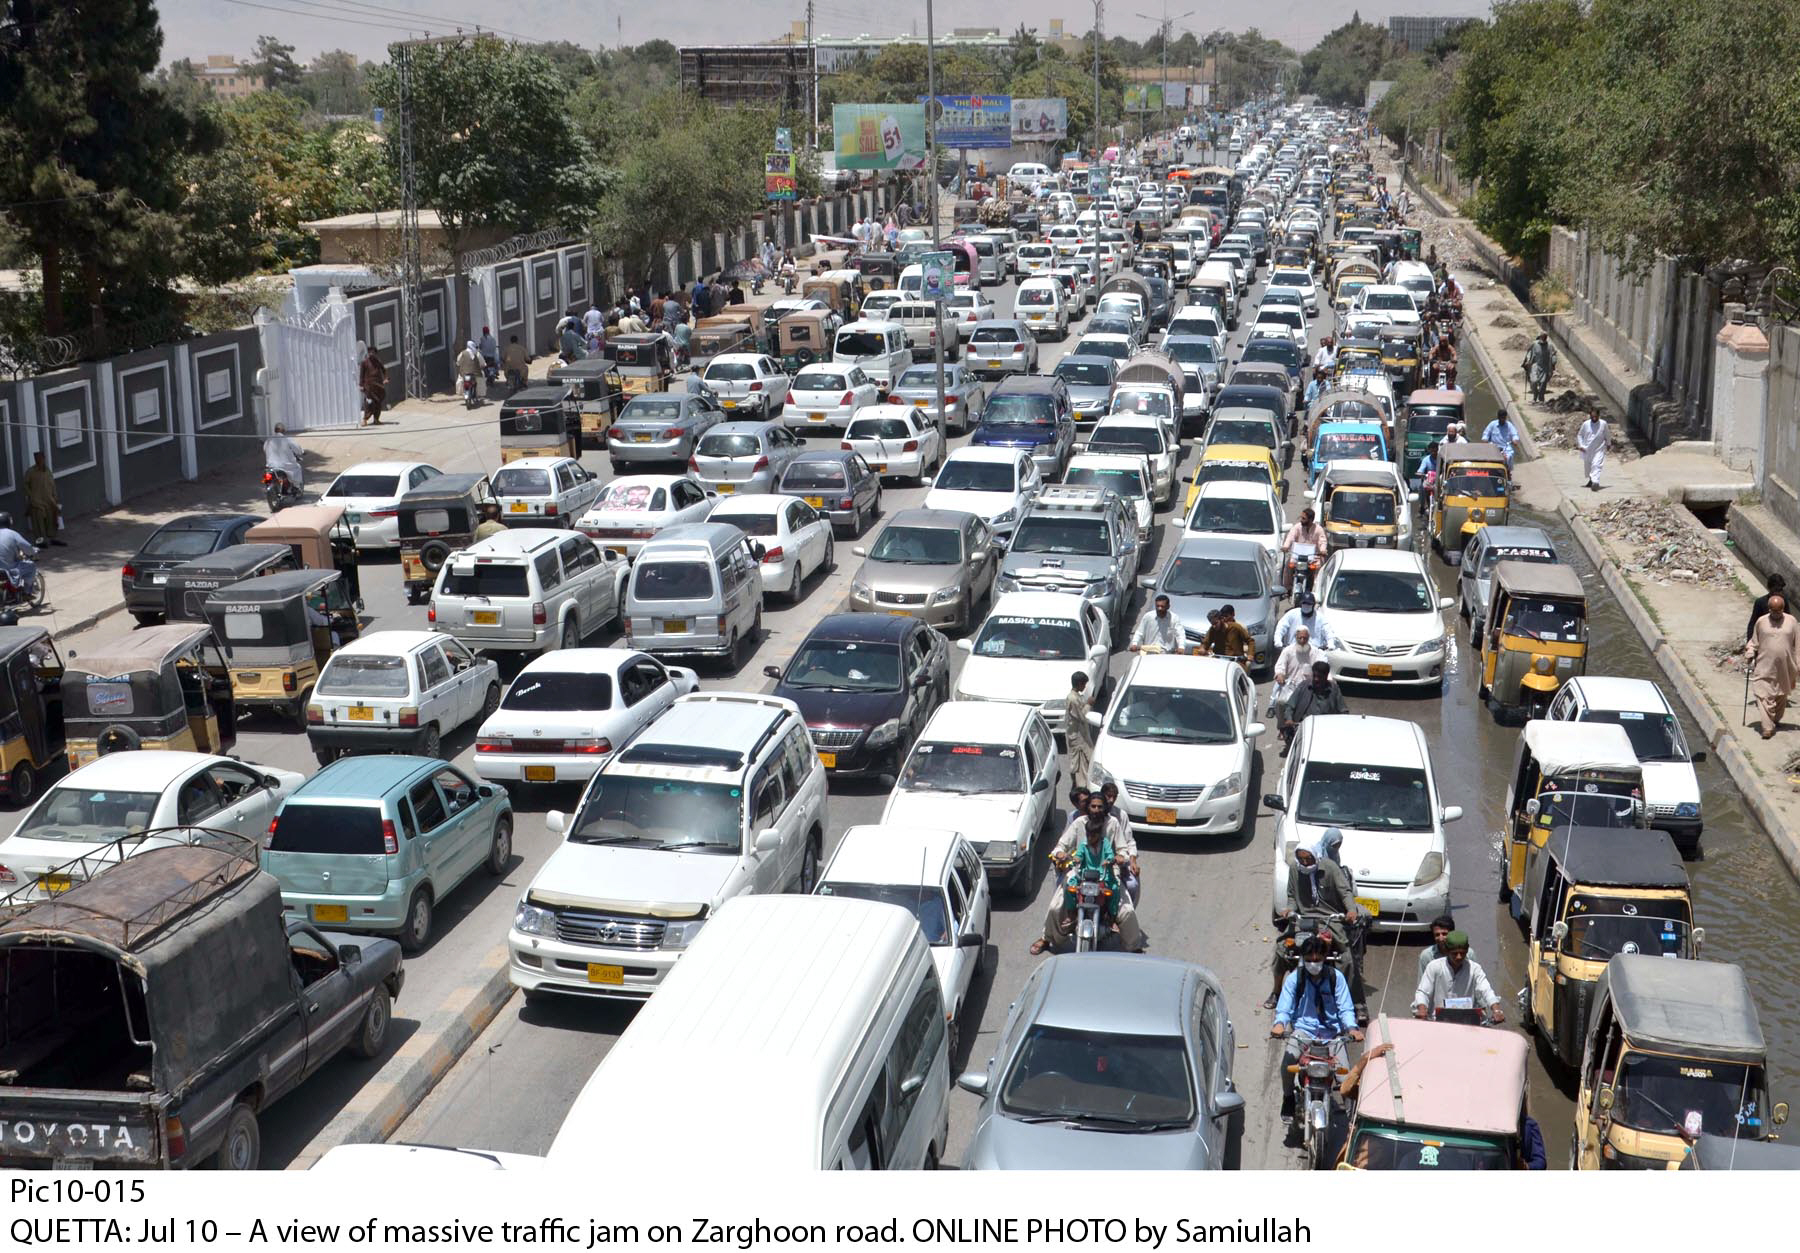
(1667, 543)
(1507, 321)
(1727, 655)
(1570, 400)
(1514, 342)
(1557, 431)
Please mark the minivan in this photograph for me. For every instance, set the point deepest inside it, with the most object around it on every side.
(990, 258)
(880, 348)
(1042, 304)
(696, 589)
(800, 1032)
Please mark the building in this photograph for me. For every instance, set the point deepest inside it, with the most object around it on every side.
(226, 79)
(1419, 33)
(374, 238)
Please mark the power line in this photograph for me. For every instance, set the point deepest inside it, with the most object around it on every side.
(324, 17)
(370, 9)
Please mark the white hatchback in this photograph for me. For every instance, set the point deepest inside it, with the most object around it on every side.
(829, 395)
(1028, 647)
(1235, 509)
(370, 493)
(1386, 615)
(898, 441)
(398, 691)
(796, 539)
(994, 484)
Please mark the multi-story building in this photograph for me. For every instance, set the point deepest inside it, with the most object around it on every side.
(1419, 33)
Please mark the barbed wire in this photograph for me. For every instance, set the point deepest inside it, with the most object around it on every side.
(518, 245)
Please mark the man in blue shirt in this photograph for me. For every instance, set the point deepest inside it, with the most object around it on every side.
(1315, 1004)
(1501, 433)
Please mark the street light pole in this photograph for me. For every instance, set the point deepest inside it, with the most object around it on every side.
(1168, 24)
(931, 173)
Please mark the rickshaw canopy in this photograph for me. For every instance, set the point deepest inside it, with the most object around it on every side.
(1572, 747)
(145, 650)
(1445, 1077)
(804, 328)
(1360, 474)
(307, 530)
(16, 639)
(1132, 284)
(1539, 578)
(447, 489)
(1715, 1152)
(276, 588)
(1684, 1008)
(1150, 367)
(1617, 857)
(1470, 454)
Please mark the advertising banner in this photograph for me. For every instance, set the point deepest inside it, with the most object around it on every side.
(779, 182)
(975, 122)
(784, 139)
(1143, 97)
(938, 273)
(1039, 119)
(878, 136)
(1175, 95)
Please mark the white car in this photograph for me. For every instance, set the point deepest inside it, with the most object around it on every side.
(1371, 778)
(370, 493)
(1671, 788)
(1147, 436)
(89, 813)
(1065, 239)
(898, 441)
(1028, 647)
(989, 769)
(1238, 509)
(1281, 321)
(994, 484)
(1198, 320)
(934, 874)
(876, 303)
(1036, 259)
(570, 710)
(829, 395)
(1041, 306)
(544, 491)
(1179, 739)
(1387, 616)
(1302, 282)
(796, 539)
(1397, 302)
(748, 381)
(398, 691)
(634, 507)
(1128, 474)
(967, 309)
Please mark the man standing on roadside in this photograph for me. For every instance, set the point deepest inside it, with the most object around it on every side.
(1590, 441)
(372, 378)
(1076, 729)
(45, 510)
(1540, 362)
(1773, 654)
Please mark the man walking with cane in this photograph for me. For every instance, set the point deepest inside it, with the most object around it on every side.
(1540, 362)
(1773, 655)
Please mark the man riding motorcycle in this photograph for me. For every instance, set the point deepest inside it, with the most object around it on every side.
(17, 557)
(1314, 1005)
(1090, 846)
(1322, 896)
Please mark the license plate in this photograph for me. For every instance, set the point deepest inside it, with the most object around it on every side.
(361, 713)
(725, 489)
(1161, 817)
(828, 760)
(817, 502)
(920, 404)
(729, 404)
(1380, 670)
(519, 507)
(616, 548)
(993, 364)
(815, 417)
(331, 913)
(881, 467)
(55, 883)
(900, 613)
(486, 617)
(1369, 906)
(675, 626)
(614, 975)
(640, 439)
(540, 774)
(159, 579)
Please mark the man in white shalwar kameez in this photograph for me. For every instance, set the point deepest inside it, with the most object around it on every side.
(1590, 440)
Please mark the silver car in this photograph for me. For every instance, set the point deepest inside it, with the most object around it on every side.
(1089, 379)
(1210, 572)
(1487, 548)
(1002, 346)
(964, 395)
(661, 428)
(933, 564)
(743, 456)
(1109, 1061)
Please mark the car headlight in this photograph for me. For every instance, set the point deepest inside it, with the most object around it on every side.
(1003, 517)
(859, 588)
(944, 595)
(1431, 867)
(1435, 645)
(1000, 850)
(885, 734)
(530, 920)
(1233, 782)
(1098, 776)
(1006, 583)
(1688, 809)
(681, 934)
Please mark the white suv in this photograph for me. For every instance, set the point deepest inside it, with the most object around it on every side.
(529, 591)
(721, 796)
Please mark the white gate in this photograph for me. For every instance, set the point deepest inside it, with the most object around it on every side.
(310, 366)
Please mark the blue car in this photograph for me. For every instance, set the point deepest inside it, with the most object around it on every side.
(1032, 412)
(1345, 441)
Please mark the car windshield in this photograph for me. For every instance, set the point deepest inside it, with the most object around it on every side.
(975, 476)
(808, 382)
(1371, 798)
(1141, 439)
(1012, 409)
(1231, 515)
(381, 485)
(1338, 447)
(623, 497)
(1151, 404)
(364, 674)
(1128, 483)
(1241, 431)
(515, 482)
(89, 815)
(177, 543)
(1361, 508)
(1031, 639)
(1380, 591)
(803, 475)
(923, 903)
(1179, 715)
(542, 691)
(1478, 484)
(1114, 325)
(845, 666)
(715, 445)
(663, 813)
(1083, 536)
(671, 580)
(967, 769)
(1653, 736)
(1101, 1080)
(663, 410)
(1662, 1095)
(1379, 1148)
(1083, 373)
(1217, 578)
(724, 372)
(1553, 621)
(994, 335)
(1118, 349)
(1601, 927)
(918, 546)
(485, 580)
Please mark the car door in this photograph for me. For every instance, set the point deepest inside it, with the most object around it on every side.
(1040, 751)
(690, 502)
(198, 802)
(1026, 476)
(768, 798)
(868, 483)
(968, 871)
(248, 802)
(326, 994)
(649, 691)
(468, 835)
(1217, 1046)
(581, 579)
(442, 699)
(978, 553)
(805, 534)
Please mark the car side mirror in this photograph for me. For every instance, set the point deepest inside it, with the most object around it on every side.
(557, 821)
(1445, 602)
(1272, 801)
(349, 954)
(971, 939)
(1531, 808)
(1256, 730)
(1451, 813)
(774, 672)
(1558, 934)
(1225, 1104)
(767, 840)
(1779, 1114)
(976, 1081)
(1604, 1098)
(967, 645)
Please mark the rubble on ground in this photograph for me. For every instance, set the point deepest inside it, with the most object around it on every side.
(1666, 543)
(1514, 342)
(1727, 655)
(1790, 765)
(1506, 321)
(1571, 401)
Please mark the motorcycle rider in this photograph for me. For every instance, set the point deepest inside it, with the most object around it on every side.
(516, 363)
(1320, 695)
(1318, 885)
(1123, 839)
(282, 453)
(1441, 927)
(1306, 531)
(1453, 977)
(1159, 627)
(489, 348)
(17, 556)
(1315, 1003)
(1082, 847)
(471, 372)
(1305, 613)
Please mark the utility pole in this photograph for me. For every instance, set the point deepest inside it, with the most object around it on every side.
(1099, 12)
(931, 174)
(412, 363)
(1162, 37)
(812, 65)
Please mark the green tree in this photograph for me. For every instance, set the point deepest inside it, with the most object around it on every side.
(1343, 64)
(335, 84)
(274, 63)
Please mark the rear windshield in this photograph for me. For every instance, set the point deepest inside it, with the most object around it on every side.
(327, 829)
(725, 371)
(362, 485)
(994, 335)
(861, 344)
(89, 815)
(511, 482)
(1037, 296)
(878, 428)
(545, 690)
(485, 580)
(364, 674)
(729, 446)
(1144, 439)
(180, 543)
(820, 382)
(748, 523)
(631, 498)
(811, 474)
(645, 408)
(671, 580)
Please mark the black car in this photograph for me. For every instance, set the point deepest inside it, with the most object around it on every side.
(866, 683)
(193, 535)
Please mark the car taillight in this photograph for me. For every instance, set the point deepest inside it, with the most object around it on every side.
(587, 746)
(128, 571)
(847, 446)
(911, 445)
(550, 510)
(175, 1136)
(772, 554)
(756, 386)
(390, 840)
(849, 399)
(615, 433)
(675, 432)
(269, 838)
(431, 613)
(495, 744)
(7, 875)
(383, 513)
(409, 716)
(762, 463)
(315, 713)
(693, 465)
(539, 615)
(721, 623)
(847, 503)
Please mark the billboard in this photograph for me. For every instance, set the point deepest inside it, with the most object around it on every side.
(1143, 97)
(975, 122)
(1039, 119)
(878, 136)
(937, 272)
(779, 181)
(1175, 95)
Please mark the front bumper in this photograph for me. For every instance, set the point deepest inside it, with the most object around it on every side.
(1682, 829)
(1404, 670)
(541, 963)
(925, 610)
(1209, 816)
(1404, 907)
(854, 758)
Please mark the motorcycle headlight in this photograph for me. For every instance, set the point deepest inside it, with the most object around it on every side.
(1688, 809)
(1233, 782)
(681, 934)
(530, 920)
(944, 595)
(1430, 646)
(859, 588)
(885, 734)
(1431, 868)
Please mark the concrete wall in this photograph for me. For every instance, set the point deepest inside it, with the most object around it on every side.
(1781, 432)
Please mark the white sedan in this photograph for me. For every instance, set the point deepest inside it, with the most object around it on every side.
(898, 441)
(994, 484)
(88, 814)
(1029, 646)
(1178, 740)
(571, 709)
(539, 491)
(968, 309)
(829, 395)
(796, 539)
(633, 508)
(370, 493)
(1386, 615)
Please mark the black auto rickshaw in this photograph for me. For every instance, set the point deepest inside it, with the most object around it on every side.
(1401, 355)
(191, 582)
(1592, 893)
(1411, 239)
(1674, 1050)
(1566, 774)
(539, 422)
(1723, 1152)
(594, 388)
(318, 537)
(160, 687)
(277, 633)
(31, 711)
(649, 354)
(879, 269)
(1535, 637)
(436, 518)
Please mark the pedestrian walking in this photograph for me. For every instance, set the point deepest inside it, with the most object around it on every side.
(1777, 587)
(1540, 363)
(1773, 655)
(1590, 441)
(592, 321)
(372, 378)
(1076, 729)
(41, 503)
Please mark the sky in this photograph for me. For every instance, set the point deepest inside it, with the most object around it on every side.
(194, 28)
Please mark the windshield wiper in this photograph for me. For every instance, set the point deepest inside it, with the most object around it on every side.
(666, 845)
(608, 839)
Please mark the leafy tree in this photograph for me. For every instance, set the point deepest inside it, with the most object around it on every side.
(334, 83)
(274, 63)
(1340, 69)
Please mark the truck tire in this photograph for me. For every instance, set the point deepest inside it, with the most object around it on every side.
(371, 1036)
(242, 1147)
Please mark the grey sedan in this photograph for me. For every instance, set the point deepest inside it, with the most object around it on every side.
(1090, 381)
(963, 395)
(839, 484)
(661, 428)
(1209, 572)
(1109, 1061)
(932, 564)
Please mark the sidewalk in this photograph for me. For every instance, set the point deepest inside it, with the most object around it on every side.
(1686, 594)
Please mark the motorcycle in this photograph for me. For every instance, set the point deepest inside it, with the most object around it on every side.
(1317, 1075)
(280, 490)
(22, 594)
(470, 387)
(788, 279)
(1091, 894)
(1302, 569)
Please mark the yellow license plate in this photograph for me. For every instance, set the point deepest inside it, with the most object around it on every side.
(616, 548)
(519, 507)
(361, 713)
(55, 883)
(614, 975)
(881, 467)
(992, 363)
(486, 617)
(1368, 906)
(331, 913)
(640, 439)
(675, 626)
(900, 613)
(725, 489)
(815, 417)
(1160, 817)
(540, 774)
(828, 760)
(1380, 670)
(920, 404)
(817, 502)
(729, 404)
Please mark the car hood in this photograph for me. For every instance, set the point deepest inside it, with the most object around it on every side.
(897, 576)
(1369, 856)
(1155, 761)
(1252, 611)
(993, 678)
(843, 709)
(1386, 628)
(1670, 783)
(978, 817)
(632, 879)
(1003, 1143)
(1069, 567)
(1088, 394)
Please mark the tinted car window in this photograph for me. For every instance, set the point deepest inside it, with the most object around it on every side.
(327, 829)
(671, 580)
(174, 543)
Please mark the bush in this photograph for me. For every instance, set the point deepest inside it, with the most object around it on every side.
(1551, 292)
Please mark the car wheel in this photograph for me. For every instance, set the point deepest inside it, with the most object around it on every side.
(431, 741)
(830, 562)
(418, 923)
(242, 1146)
(500, 849)
(571, 634)
(299, 714)
(734, 656)
(325, 756)
(372, 1035)
(22, 783)
(809, 866)
(965, 612)
(792, 595)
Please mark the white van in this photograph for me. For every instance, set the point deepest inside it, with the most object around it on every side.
(880, 348)
(799, 1033)
(1028, 175)
(1041, 305)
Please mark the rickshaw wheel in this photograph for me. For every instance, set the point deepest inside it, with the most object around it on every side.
(23, 783)
(116, 739)
(299, 714)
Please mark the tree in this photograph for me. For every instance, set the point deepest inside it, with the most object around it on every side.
(334, 82)
(274, 63)
(1340, 69)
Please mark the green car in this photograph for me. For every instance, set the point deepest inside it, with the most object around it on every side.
(373, 843)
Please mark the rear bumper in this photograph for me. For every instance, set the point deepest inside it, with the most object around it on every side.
(385, 912)
(376, 739)
(539, 638)
(512, 767)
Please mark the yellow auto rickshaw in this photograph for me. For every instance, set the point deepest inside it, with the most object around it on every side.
(1238, 463)
(319, 538)
(277, 633)
(1362, 504)
(843, 290)
(1401, 356)
(1566, 774)
(1473, 490)
(1593, 893)
(31, 710)
(161, 687)
(1535, 637)
(1674, 1050)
